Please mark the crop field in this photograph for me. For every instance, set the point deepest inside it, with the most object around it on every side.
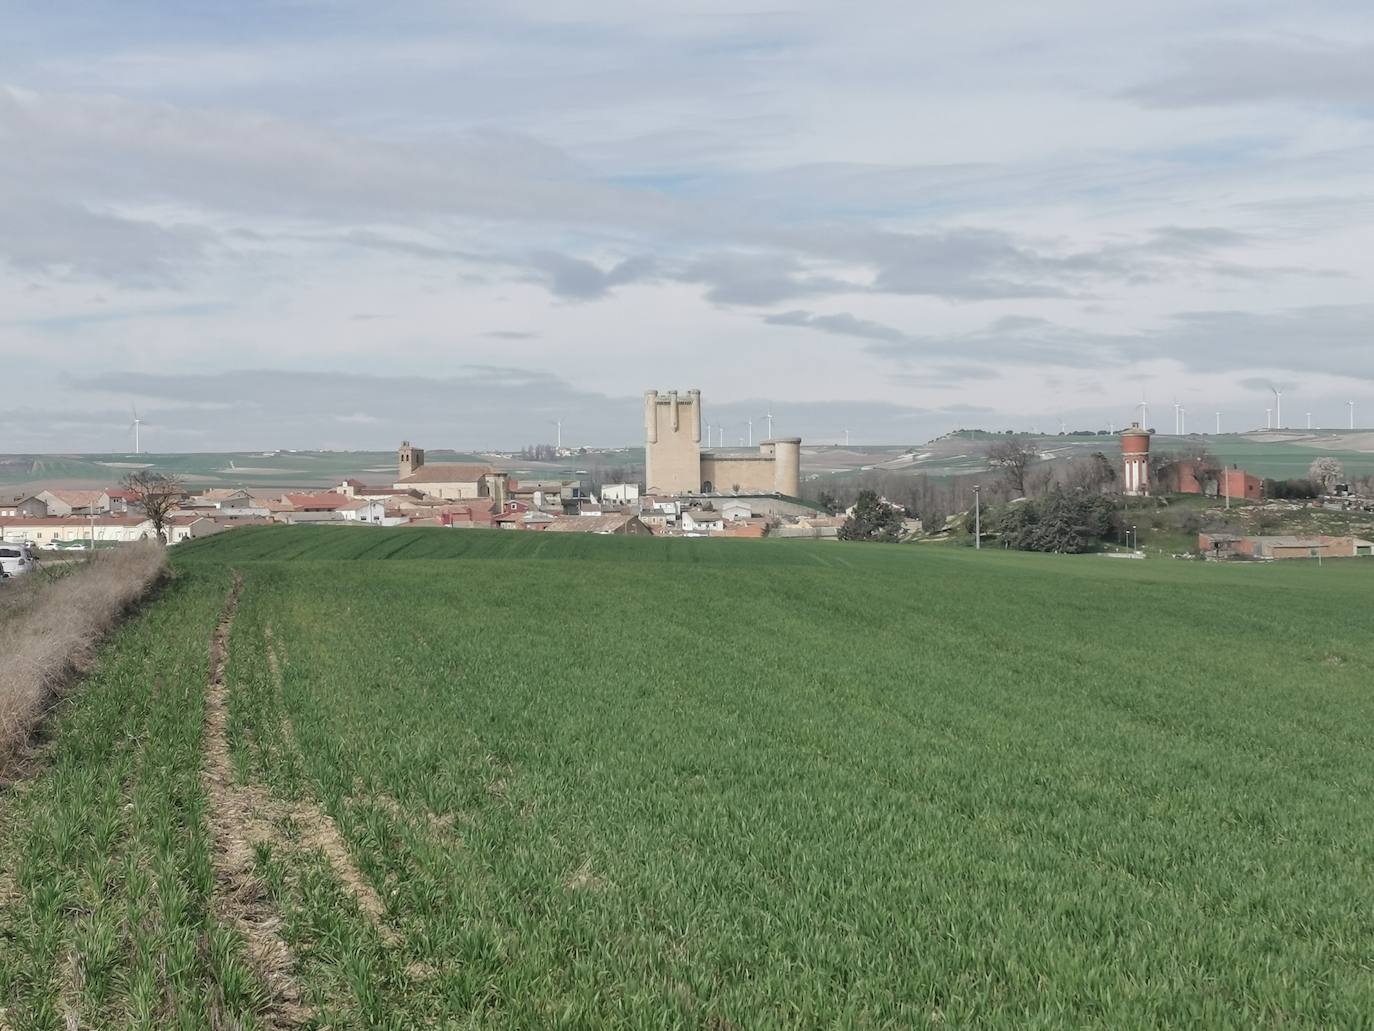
(400, 778)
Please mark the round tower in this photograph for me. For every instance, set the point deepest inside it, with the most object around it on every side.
(1135, 460)
(786, 465)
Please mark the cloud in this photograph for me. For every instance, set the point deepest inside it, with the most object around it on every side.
(1231, 71)
(580, 280)
(840, 324)
(39, 235)
(1010, 340)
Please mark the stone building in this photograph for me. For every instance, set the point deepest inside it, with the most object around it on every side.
(452, 482)
(674, 462)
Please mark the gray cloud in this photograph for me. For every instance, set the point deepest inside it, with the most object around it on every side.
(1325, 338)
(1253, 71)
(581, 280)
(840, 324)
(1011, 340)
(39, 235)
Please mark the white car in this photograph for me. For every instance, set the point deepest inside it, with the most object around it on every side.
(16, 559)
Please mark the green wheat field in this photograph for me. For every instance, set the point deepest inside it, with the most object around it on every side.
(595, 782)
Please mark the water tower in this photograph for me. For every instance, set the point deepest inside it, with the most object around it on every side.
(1135, 460)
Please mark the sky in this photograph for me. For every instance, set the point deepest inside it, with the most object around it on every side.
(313, 224)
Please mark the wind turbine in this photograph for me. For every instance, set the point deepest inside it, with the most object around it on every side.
(769, 416)
(1351, 405)
(1144, 410)
(1278, 408)
(751, 432)
(1218, 423)
(1177, 431)
(1182, 420)
(134, 426)
(1309, 420)
(1269, 418)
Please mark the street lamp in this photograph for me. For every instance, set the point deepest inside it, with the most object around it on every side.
(1135, 540)
(977, 519)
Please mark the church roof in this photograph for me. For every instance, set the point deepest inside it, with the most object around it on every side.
(465, 473)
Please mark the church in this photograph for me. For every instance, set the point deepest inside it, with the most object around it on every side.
(449, 482)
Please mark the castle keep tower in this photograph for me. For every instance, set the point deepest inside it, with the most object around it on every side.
(672, 441)
(1135, 460)
(675, 464)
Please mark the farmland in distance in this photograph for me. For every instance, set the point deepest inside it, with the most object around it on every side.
(509, 780)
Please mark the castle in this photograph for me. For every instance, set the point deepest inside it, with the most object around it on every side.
(675, 464)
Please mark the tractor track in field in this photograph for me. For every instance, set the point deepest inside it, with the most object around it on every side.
(319, 829)
(239, 819)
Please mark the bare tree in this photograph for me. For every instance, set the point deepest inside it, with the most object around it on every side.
(1325, 473)
(1093, 473)
(1012, 458)
(157, 494)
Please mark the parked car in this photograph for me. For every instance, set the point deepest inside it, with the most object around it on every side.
(16, 559)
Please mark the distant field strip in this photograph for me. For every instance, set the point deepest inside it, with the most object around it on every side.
(513, 781)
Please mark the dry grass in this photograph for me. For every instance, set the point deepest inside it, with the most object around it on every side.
(53, 627)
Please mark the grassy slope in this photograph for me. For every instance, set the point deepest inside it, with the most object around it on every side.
(642, 782)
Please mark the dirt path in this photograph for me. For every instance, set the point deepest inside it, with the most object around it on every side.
(239, 817)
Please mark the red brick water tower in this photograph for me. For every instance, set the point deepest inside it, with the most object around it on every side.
(1135, 459)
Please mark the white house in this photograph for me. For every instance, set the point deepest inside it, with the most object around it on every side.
(57, 530)
(364, 510)
(619, 493)
(734, 510)
(698, 520)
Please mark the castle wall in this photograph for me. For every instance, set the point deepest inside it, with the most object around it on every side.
(749, 474)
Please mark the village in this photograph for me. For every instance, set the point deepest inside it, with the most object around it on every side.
(458, 496)
(688, 490)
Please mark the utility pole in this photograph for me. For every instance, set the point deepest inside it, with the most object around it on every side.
(977, 519)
